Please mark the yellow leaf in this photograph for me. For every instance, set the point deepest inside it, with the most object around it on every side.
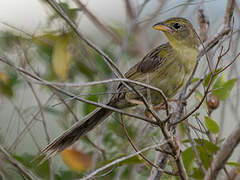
(61, 57)
(3, 77)
(76, 160)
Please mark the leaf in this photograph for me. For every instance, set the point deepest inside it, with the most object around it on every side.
(197, 174)
(7, 82)
(198, 95)
(63, 175)
(211, 125)
(61, 57)
(188, 158)
(41, 170)
(219, 82)
(46, 40)
(195, 80)
(209, 146)
(76, 160)
(205, 156)
(93, 96)
(84, 69)
(100, 64)
(223, 92)
(208, 77)
(235, 164)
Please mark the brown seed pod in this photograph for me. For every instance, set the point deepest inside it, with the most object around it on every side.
(212, 102)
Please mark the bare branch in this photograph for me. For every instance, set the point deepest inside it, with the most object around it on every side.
(229, 13)
(129, 9)
(98, 23)
(73, 95)
(203, 24)
(120, 160)
(140, 154)
(193, 143)
(27, 173)
(108, 61)
(223, 154)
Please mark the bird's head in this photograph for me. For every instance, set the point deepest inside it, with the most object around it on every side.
(179, 32)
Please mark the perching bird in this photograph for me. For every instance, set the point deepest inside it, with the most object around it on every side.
(167, 67)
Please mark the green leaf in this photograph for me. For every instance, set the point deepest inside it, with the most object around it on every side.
(219, 82)
(197, 174)
(205, 156)
(84, 69)
(195, 80)
(211, 125)
(63, 175)
(208, 77)
(41, 170)
(101, 65)
(235, 164)
(87, 108)
(223, 92)
(209, 146)
(188, 158)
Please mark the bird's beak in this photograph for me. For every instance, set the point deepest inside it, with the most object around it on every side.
(162, 27)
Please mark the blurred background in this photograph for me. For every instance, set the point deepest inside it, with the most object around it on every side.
(35, 38)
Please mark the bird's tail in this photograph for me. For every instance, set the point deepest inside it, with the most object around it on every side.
(75, 132)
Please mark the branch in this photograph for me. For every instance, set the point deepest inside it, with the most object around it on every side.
(108, 61)
(27, 173)
(98, 23)
(120, 160)
(140, 154)
(73, 95)
(223, 154)
(194, 148)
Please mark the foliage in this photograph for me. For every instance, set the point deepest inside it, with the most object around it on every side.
(59, 56)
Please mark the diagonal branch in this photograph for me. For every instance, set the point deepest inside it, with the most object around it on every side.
(98, 23)
(28, 174)
(120, 160)
(73, 95)
(223, 154)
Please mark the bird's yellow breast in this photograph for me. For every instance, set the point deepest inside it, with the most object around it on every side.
(187, 56)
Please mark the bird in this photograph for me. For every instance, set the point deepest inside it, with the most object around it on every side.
(167, 67)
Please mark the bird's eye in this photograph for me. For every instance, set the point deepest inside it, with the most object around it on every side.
(177, 26)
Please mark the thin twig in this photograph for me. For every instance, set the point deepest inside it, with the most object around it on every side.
(140, 154)
(120, 160)
(223, 154)
(73, 95)
(98, 22)
(194, 148)
(27, 173)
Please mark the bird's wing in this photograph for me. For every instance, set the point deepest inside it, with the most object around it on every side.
(150, 62)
